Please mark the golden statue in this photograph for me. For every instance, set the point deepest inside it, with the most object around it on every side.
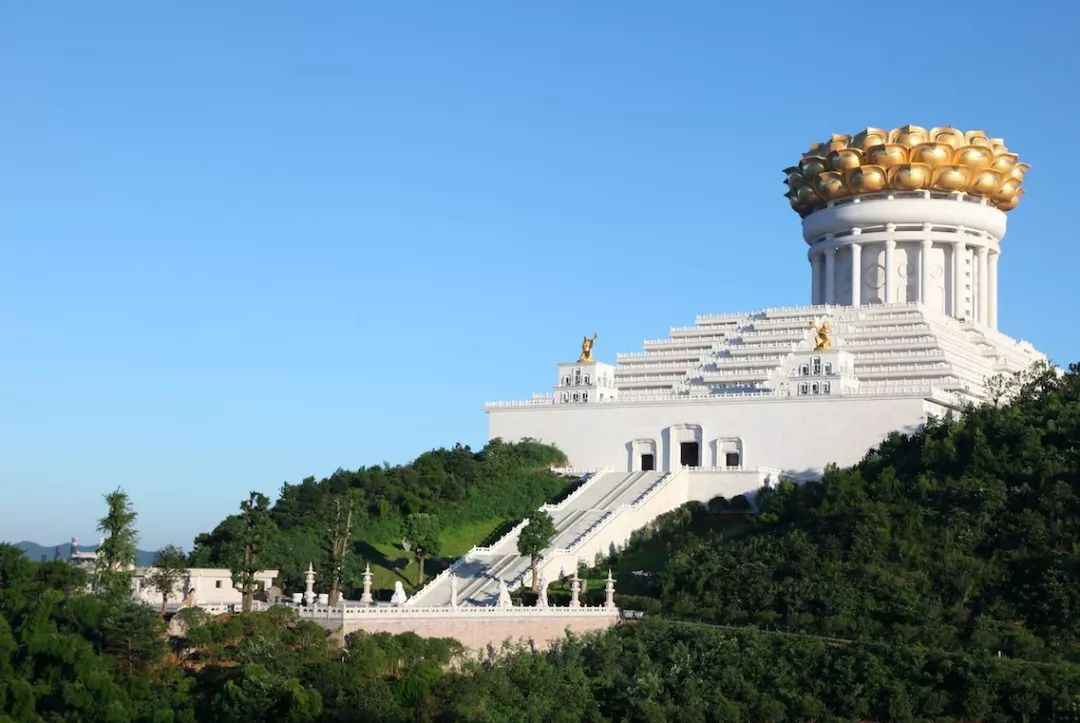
(586, 349)
(823, 340)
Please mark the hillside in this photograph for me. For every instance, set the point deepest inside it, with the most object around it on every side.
(964, 536)
(37, 553)
(473, 494)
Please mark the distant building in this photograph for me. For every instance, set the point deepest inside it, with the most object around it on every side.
(201, 587)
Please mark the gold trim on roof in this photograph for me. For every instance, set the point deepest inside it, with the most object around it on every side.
(910, 158)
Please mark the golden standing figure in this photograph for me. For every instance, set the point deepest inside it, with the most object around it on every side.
(823, 340)
(586, 349)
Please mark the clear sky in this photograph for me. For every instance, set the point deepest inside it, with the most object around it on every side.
(246, 242)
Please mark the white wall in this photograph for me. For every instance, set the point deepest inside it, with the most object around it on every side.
(795, 435)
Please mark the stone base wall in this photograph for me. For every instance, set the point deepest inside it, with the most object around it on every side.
(479, 635)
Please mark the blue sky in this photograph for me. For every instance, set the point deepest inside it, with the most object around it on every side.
(242, 243)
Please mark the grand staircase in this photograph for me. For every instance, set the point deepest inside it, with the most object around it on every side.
(587, 520)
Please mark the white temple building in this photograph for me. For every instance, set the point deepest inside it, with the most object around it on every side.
(904, 229)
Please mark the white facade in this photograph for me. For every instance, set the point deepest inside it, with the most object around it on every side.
(908, 283)
(201, 586)
(937, 249)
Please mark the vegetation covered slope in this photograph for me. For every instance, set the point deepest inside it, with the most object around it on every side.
(965, 535)
(473, 494)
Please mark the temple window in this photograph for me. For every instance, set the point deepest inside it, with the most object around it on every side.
(828, 367)
(826, 388)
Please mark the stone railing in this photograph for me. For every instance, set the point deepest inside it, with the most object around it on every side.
(587, 484)
(435, 581)
(480, 550)
(471, 612)
(542, 402)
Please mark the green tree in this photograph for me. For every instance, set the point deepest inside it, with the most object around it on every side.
(534, 539)
(254, 530)
(116, 555)
(339, 516)
(169, 570)
(421, 534)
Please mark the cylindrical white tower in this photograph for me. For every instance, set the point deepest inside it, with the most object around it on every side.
(907, 215)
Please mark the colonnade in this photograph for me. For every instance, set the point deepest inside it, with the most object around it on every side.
(984, 271)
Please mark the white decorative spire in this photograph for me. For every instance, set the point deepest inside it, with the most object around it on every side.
(366, 598)
(309, 585)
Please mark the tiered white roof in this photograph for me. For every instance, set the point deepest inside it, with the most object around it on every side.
(894, 346)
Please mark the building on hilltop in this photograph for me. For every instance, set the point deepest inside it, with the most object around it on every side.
(904, 229)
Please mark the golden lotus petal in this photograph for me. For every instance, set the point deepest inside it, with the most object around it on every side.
(830, 185)
(932, 154)
(951, 178)
(978, 138)
(949, 135)
(998, 144)
(974, 157)
(909, 176)
(1008, 189)
(888, 155)
(838, 140)
(1018, 171)
(1004, 161)
(867, 179)
(908, 135)
(807, 196)
(844, 158)
(1011, 203)
(986, 183)
(811, 166)
(868, 137)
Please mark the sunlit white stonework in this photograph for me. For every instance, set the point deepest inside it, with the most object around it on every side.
(905, 275)
(904, 230)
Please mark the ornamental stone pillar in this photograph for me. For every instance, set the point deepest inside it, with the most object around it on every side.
(815, 277)
(309, 585)
(856, 274)
(924, 271)
(890, 270)
(366, 598)
(830, 274)
(956, 298)
(984, 296)
(993, 289)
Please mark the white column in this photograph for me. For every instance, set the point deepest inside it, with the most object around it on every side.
(924, 271)
(830, 275)
(890, 271)
(993, 289)
(815, 277)
(957, 296)
(856, 274)
(982, 254)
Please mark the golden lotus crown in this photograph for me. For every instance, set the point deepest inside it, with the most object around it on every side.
(906, 159)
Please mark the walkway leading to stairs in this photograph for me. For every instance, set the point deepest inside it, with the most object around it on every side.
(575, 519)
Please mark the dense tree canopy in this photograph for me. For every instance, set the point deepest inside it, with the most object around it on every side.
(935, 580)
(501, 482)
